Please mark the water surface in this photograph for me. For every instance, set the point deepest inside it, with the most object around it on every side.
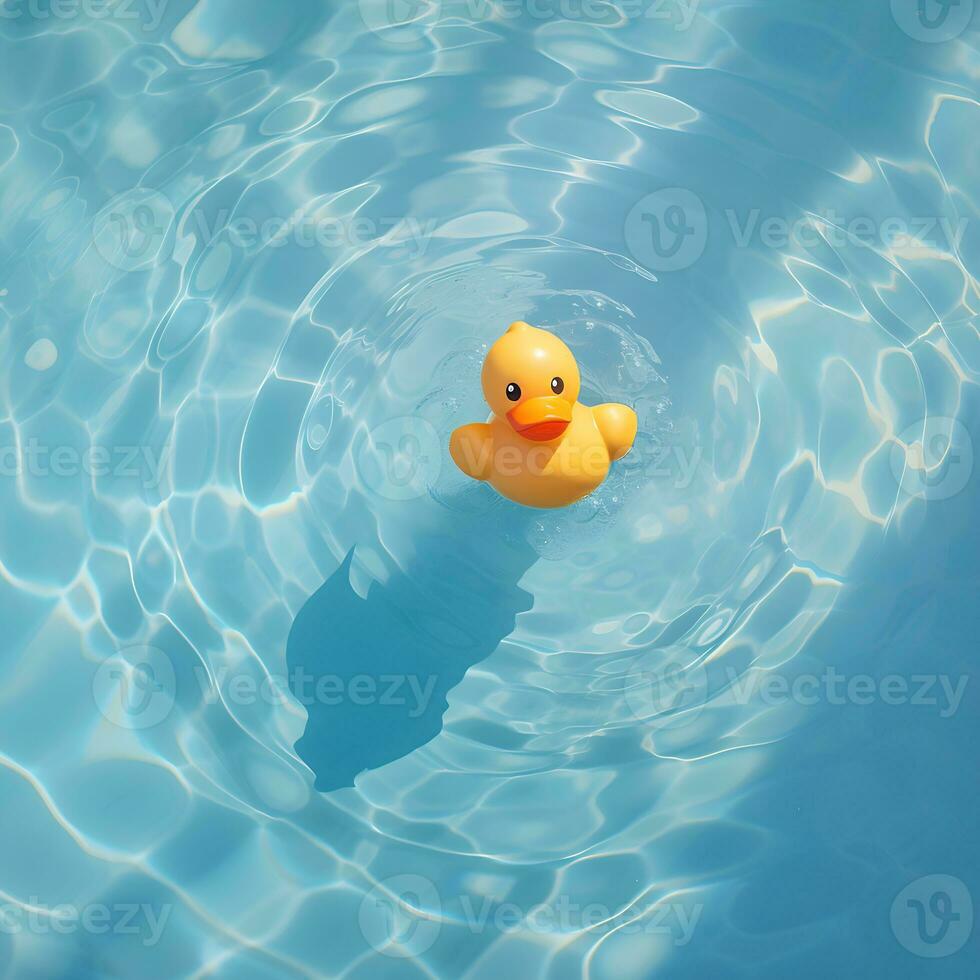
(251, 258)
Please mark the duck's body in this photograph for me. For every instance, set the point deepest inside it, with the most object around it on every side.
(547, 450)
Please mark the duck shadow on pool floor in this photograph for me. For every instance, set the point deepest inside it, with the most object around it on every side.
(374, 672)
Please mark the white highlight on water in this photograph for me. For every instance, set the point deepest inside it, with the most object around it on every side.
(42, 355)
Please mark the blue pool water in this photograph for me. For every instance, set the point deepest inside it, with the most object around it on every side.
(283, 694)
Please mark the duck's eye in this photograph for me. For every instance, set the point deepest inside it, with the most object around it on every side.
(557, 385)
(513, 391)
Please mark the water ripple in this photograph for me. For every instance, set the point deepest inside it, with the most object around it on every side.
(239, 243)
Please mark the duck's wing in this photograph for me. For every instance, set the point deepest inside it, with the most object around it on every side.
(617, 426)
(471, 447)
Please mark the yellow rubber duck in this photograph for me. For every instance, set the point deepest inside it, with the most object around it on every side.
(540, 447)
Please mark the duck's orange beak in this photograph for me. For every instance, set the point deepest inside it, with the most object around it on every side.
(541, 419)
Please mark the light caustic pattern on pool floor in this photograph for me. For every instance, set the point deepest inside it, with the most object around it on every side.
(250, 259)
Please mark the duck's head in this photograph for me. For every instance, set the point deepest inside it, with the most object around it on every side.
(530, 378)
